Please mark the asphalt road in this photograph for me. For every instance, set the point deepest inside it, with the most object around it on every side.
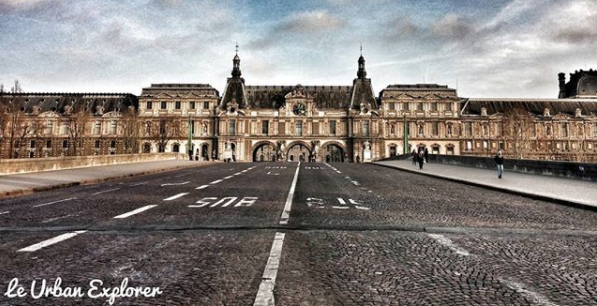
(308, 234)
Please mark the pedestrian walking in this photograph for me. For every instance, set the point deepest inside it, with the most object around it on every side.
(414, 156)
(499, 161)
(426, 152)
(421, 159)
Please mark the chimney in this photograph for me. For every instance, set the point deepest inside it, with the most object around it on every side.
(562, 79)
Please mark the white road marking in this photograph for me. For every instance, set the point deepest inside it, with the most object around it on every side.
(362, 207)
(340, 207)
(286, 213)
(356, 183)
(228, 177)
(215, 182)
(222, 200)
(338, 171)
(57, 218)
(441, 239)
(4, 212)
(139, 184)
(202, 187)
(341, 200)
(174, 197)
(134, 212)
(175, 184)
(534, 296)
(265, 295)
(244, 171)
(237, 174)
(45, 204)
(105, 191)
(43, 244)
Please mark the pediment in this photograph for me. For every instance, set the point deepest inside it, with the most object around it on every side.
(112, 114)
(49, 114)
(163, 95)
(560, 116)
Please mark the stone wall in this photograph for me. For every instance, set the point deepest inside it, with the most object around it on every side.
(24, 165)
(585, 171)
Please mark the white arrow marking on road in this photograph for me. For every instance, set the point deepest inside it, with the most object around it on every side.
(175, 184)
(43, 244)
(174, 197)
(45, 204)
(134, 212)
(105, 191)
(341, 200)
(265, 295)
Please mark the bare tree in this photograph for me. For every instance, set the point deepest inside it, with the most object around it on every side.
(130, 129)
(168, 129)
(518, 130)
(76, 123)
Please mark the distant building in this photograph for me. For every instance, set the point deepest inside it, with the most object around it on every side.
(302, 123)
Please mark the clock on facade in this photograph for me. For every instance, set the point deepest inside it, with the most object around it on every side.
(299, 109)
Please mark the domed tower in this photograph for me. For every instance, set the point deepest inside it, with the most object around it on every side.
(362, 73)
(362, 98)
(582, 84)
(234, 94)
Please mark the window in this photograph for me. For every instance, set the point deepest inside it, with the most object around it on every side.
(32, 144)
(63, 129)
(564, 130)
(405, 106)
(149, 105)
(97, 144)
(206, 105)
(192, 105)
(232, 127)
(450, 150)
(469, 145)
(449, 130)
(391, 106)
(97, 128)
(299, 128)
(49, 128)
(192, 127)
(177, 105)
(485, 129)
(48, 144)
(435, 149)
(365, 128)
(594, 129)
(392, 129)
(65, 144)
(449, 107)
(265, 127)
(113, 127)
(548, 130)
(435, 128)
(468, 128)
(333, 127)
(163, 105)
(420, 106)
(434, 106)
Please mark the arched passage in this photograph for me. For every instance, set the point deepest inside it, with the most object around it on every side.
(298, 151)
(334, 153)
(264, 151)
(205, 151)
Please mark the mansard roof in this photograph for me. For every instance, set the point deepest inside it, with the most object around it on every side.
(362, 94)
(179, 90)
(419, 90)
(536, 106)
(324, 97)
(96, 103)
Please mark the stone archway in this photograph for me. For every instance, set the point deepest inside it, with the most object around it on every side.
(264, 151)
(205, 151)
(298, 151)
(334, 152)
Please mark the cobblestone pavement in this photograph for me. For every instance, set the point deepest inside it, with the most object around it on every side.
(356, 235)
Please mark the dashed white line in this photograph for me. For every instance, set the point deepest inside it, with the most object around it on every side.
(228, 177)
(340, 207)
(286, 213)
(202, 187)
(175, 184)
(265, 295)
(50, 203)
(174, 197)
(445, 241)
(139, 184)
(4, 212)
(134, 212)
(215, 182)
(57, 218)
(237, 174)
(43, 244)
(534, 296)
(105, 191)
(356, 183)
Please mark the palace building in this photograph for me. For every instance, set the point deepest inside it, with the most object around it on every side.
(343, 123)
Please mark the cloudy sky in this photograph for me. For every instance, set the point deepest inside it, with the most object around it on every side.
(486, 48)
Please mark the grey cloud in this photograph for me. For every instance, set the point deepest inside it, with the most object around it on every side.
(310, 22)
(452, 27)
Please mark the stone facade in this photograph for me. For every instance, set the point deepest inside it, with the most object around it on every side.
(302, 123)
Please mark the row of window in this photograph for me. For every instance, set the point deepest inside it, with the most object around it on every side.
(434, 106)
(177, 105)
(298, 127)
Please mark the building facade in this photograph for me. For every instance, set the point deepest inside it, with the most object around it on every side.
(345, 123)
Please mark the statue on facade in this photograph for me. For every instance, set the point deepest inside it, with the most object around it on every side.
(367, 145)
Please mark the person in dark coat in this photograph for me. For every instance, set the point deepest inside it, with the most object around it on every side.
(426, 152)
(414, 156)
(421, 159)
(499, 161)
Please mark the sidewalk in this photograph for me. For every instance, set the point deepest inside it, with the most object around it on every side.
(18, 184)
(562, 190)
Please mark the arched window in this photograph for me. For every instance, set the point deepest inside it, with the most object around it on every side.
(147, 148)
(175, 148)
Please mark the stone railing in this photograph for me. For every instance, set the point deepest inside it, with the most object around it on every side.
(24, 165)
(576, 170)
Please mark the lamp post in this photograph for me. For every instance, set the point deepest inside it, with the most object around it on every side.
(190, 141)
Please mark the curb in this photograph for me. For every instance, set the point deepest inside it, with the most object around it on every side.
(31, 190)
(495, 188)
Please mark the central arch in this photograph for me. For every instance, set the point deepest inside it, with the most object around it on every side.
(333, 152)
(264, 151)
(298, 151)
